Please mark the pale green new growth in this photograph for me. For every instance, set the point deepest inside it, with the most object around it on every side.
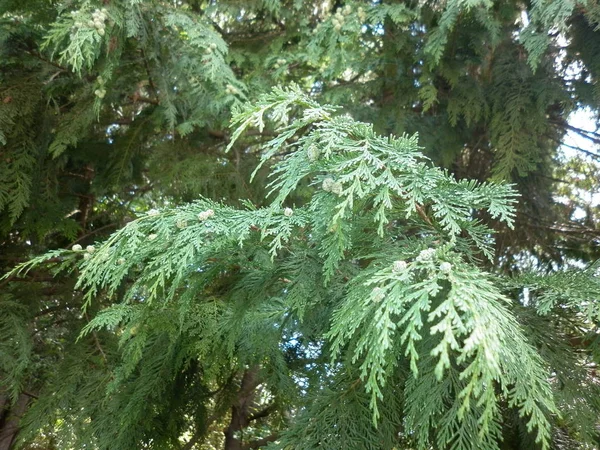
(387, 243)
(379, 288)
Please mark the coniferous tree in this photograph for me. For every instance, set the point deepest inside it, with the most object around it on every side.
(412, 267)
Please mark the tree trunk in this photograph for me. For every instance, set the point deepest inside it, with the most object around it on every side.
(241, 409)
(9, 419)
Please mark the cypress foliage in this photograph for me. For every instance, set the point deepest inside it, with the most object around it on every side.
(298, 225)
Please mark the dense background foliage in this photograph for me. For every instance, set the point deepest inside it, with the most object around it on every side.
(115, 115)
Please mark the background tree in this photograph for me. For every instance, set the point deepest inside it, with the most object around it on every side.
(109, 110)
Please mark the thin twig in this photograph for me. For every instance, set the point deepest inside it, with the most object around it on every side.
(579, 149)
(47, 61)
(91, 233)
(97, 341)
